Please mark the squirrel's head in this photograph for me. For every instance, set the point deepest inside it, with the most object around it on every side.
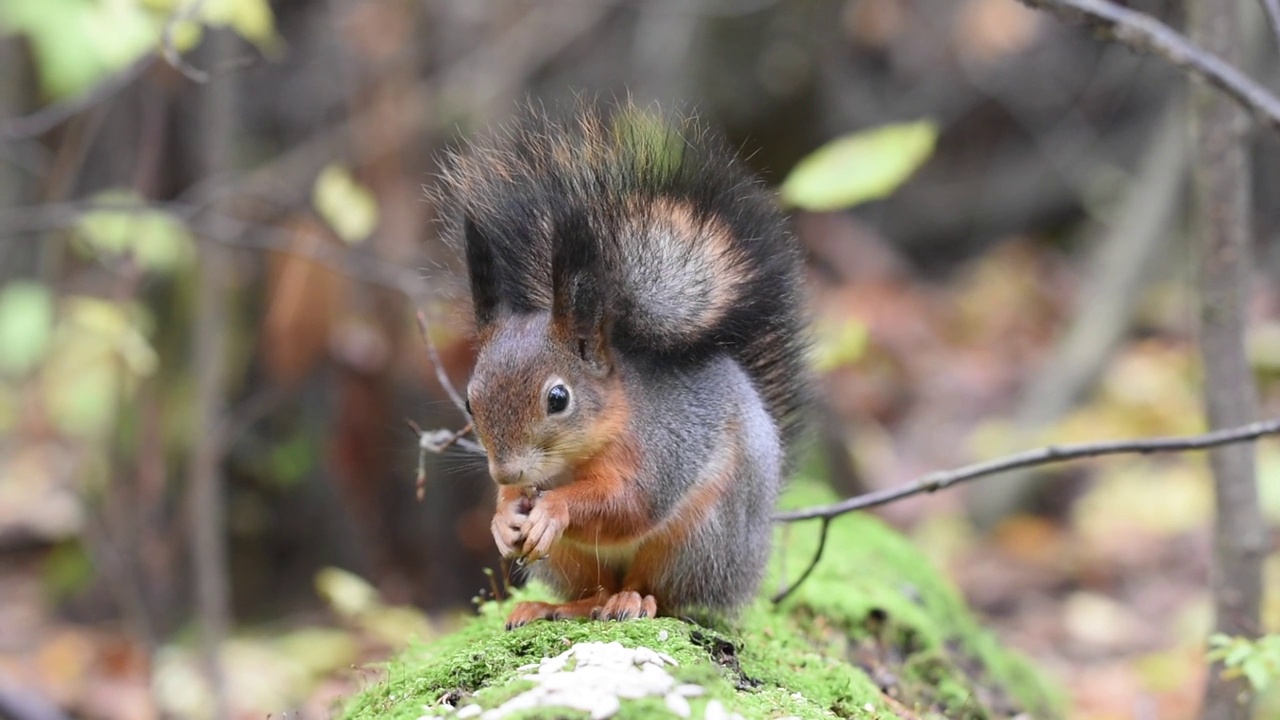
(545, 394)
(542, 399)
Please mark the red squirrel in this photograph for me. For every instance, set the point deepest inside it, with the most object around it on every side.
(641, 365)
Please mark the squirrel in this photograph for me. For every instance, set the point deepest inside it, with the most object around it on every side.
(640, 367)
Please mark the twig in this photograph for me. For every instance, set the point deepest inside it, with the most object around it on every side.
(817, 557)
(1273, 16)
(1040, 456)
(441, 375)
(1143, 33)
(170, 50)
(437, 441)
(420, 479)
(53, 115)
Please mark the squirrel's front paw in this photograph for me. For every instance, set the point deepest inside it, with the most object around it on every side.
(508, 526)
(547, 522)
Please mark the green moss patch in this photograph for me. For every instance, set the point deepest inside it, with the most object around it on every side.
(876, 601)
(874, 632)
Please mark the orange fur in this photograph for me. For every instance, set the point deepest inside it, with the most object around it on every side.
(727, 270)
(581, 570)
(526, 612)
(604, 505)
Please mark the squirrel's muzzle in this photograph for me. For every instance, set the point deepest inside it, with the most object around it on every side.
(510, 472)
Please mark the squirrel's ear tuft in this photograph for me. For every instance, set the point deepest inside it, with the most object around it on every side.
(481, 270)
(579, 293)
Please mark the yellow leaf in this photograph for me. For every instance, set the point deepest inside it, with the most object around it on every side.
(840, 345)
(347, 593)
(346, 206)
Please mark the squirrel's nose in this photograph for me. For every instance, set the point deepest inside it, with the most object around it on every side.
(510, 472)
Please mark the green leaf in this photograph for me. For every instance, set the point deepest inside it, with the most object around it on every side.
(348, 207)
(77, 43)
(1239, 654)
(1218, 640)
(72, 46)
(98, 353)
(1258, 673)
(26, 322)
(861, 167)
(156, 240)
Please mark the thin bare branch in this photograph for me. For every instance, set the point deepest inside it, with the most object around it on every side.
(934, 482)
(53, 115)
(441, 375)
(1143, 33)
(170, 49)
(813, 563)
(1273, 17)
(437, 441)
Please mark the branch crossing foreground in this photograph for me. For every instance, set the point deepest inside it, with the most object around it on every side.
(936, 481)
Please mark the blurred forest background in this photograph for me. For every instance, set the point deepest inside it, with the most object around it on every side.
(210, 267)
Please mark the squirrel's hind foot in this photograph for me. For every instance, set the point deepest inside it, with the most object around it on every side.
(626, 605)
(527, 612)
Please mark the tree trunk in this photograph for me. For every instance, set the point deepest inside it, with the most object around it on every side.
(1222, 202)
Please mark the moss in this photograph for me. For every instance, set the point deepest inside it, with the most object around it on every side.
(876, 599)
(873, 633)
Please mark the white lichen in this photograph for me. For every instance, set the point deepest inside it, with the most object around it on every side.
(595, 678)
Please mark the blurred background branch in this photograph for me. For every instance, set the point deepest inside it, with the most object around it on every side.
(1145, 33)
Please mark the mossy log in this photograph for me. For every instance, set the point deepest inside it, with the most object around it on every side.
(874, 632)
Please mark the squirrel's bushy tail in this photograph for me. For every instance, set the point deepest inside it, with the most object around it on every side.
(692, 252)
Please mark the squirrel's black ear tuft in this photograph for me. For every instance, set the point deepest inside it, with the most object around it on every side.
(482, 271)
(579, 290)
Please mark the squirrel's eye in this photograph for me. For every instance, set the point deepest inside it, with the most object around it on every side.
(467, 404)
(557, 399)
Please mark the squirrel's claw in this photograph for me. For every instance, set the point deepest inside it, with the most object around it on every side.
(547, 522)
(527, 612)
(508, 529)
(627, 605)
